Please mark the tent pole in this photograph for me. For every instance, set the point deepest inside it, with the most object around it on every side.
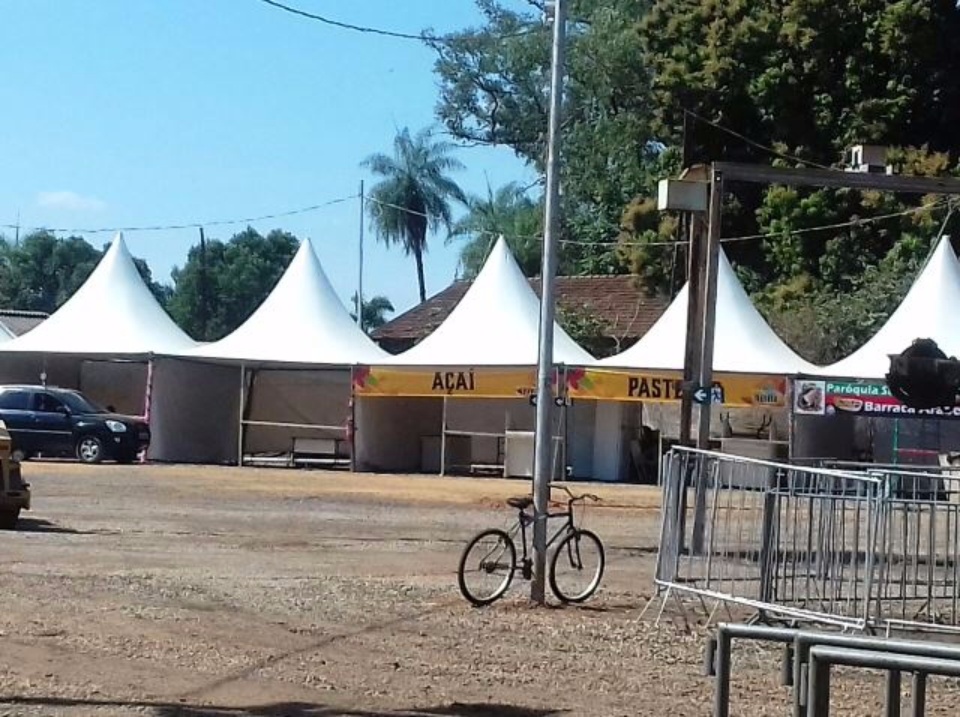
(243, 396)
(147, 400)
(791, 420)
(352, 434)
(443, 438)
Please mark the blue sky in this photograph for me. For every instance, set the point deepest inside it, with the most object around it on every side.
(133, 113)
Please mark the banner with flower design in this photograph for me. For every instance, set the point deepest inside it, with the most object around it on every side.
(666, 387)
(469, 382)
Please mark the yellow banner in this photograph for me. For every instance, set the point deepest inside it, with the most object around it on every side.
(460, 382)
(665, 387)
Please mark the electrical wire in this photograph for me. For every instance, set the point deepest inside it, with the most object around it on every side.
(754, 143)
(747, 237)
(186, 225)
(375, 30)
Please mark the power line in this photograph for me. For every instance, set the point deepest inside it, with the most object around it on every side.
(188, 225)
(747, 237)
(375, 30)
(754, 143)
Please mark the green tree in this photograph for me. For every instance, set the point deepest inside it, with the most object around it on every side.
(496, 91)
(414, 194)
(218, 288)
(508, 212)
(375, 312)
(42, 272)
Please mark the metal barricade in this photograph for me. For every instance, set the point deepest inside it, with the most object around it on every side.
(793, 541)
(920, 546)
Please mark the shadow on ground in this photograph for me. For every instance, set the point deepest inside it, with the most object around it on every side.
(39, 525)
(285, 709)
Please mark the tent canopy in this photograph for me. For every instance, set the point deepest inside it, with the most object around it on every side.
(113, 314)
(496, 323)
(302, 321)
(930, 310)
(743, 341)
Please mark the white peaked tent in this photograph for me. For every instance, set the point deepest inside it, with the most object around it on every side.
(496, 323)
(930, 310)
(281, 379)
(302, 321)
(101, 340)
(113, 314)
(743, 341)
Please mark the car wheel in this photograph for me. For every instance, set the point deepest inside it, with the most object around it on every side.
(90, 449)
(8, 519)
(126, 458)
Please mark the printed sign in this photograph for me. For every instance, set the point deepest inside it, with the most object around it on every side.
(460, 382)
(861, 398)
(666, 387)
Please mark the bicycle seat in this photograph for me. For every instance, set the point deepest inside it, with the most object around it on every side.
(520, 502)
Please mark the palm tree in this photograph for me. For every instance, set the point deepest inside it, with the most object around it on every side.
(508, 212)
(414, 194)
(374, 312)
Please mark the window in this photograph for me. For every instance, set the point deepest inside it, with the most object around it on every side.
(45, 403)
(16, 400)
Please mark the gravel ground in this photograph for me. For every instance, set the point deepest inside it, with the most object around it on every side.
(214, 592)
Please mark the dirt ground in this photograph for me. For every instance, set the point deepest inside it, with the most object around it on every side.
(182, 591)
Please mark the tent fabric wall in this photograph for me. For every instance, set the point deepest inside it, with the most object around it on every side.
(121, 384)
(581, 434)
(61, 371)
(389, 431)
(317, 397)
(194, 412)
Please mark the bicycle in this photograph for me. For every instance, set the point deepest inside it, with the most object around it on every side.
(581, 547)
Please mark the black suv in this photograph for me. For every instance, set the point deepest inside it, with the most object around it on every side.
(60, 422)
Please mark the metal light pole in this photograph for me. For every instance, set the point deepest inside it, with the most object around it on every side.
(543, 438)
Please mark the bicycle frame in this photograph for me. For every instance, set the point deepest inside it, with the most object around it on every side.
(525, 519)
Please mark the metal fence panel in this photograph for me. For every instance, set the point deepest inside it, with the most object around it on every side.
(795, 541)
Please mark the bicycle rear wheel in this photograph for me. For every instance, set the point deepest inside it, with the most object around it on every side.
(487, 566)
(577, 566)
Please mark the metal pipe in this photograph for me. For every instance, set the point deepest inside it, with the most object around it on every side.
(892, 692)
(721, 693)
(919, 700)
(443, 438)
(818, 695)
(542, 435)
(243, 392)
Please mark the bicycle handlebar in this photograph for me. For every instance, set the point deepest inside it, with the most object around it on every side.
(575, 498)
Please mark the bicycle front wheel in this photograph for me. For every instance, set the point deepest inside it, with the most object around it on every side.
(487, 566)
(577, 566)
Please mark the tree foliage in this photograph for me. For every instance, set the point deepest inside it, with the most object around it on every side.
(658, 84)
(507, 212)
(222, 284)
(414, 194)
(42, 271)
(375, 311)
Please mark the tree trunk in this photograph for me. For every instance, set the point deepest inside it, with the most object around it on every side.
(418, 255)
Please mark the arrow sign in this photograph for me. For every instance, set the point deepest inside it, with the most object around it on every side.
(701, 395)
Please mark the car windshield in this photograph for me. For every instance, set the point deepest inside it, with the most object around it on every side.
(78, 403)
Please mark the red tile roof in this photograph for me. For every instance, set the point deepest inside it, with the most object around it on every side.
(625, 310)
